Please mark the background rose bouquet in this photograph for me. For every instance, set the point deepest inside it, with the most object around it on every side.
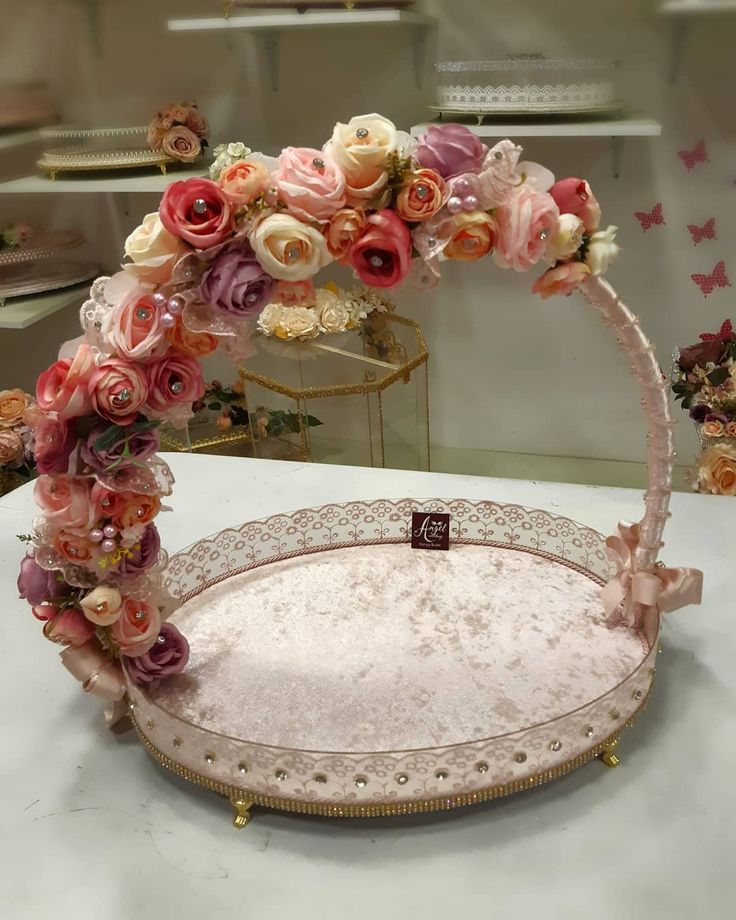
(180, 131)
(18, 418)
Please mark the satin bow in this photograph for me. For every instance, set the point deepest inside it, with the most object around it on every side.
(99, 675)
(635, 598)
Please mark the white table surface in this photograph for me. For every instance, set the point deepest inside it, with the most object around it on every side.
(93, 828)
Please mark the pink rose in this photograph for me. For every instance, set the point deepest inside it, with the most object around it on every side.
(731, 430)
(63, 387)
(294, 293)
(243, 182)
(450, 150)
(118, 390)
(421, 196)
(74, 548)
(181, 144)
(65, 501)
(561, 280)
(54, 442)
(310, 183)
(573, 196)
(11, 446)
(343, 232)
(107, 502)
(525, 221)
(382, 256)
(133, 327)
(69, 627)
(137, 627)
(168, 655)
(135, 510)
(173, 379)
(197, 123)
(197, 212)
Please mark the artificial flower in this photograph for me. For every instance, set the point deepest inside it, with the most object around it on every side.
(731, 429)
(196, 344)
(382, 255)
(421, 195)
(173, 379)
(343, 231)
(65, 501)
(295, 293)
(226, 155)
(297, 323)
(270, 318)
(565, 240)
(561, 280)
(133, 328)
(153, 251)
(717, 470)
(130, 448)
(12, 448)
(525, 222)
(37, 585)
(243, 181)
(63, 387)
(118, 390)
(137, 628)
(54, 442)
(573, 196)
(235, 282)
(602, 251)
(69, 627)
(713, 428)
(142, 555)
(13, 403)
(168, 655)
(288, 249)
(333, 315)
(74, 548)
(473, 235)
(181, 144)
(701, 354)
(196, 211)
(196, 122)
(450, 150)
(134, 509)
(310, 183)
(497, 177)
(361, 149)
(103, 605)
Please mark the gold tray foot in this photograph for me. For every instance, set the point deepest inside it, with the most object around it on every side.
(241, 805)
(609, 758)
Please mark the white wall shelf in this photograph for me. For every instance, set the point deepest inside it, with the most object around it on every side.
(269, 27)
(66, 183)
(21, 312)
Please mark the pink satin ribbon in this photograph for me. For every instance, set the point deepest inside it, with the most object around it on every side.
(99, 675)
(636, 598)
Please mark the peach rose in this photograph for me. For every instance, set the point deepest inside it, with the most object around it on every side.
(565, 239)
(118, 390)
(153, 251)
(473, 236)
(74, 548)
(181, 144)
(63, 388)
(295, 293)
(310, 183)
(731, 430)
(137, 627)
(344, 231)
(102, 606)
(173, 379)
(13, 403)
(287, 249)
(561, 280)
(421, 196)
(11, 446)
(243, 182)
(714, 429)
(526, 220)
(132, 329)
(361, 149)
(196, 344)
(136, 510)
(65, 501)
(717, 470)
(69, 627)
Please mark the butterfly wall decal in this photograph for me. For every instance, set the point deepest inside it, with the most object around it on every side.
(716, 279)
(706, 232)
(649, 219)
(724, 334)
(691, 158)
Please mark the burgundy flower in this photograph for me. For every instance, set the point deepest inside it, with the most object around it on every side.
(54, 441)
(140, 446)
(37, 585)
(450, 150)
(143, 555)
(168, 655)
(235, 282)
(699, 412)
(701, 354)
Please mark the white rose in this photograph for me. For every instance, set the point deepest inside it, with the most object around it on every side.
(289, 250)
(102, 605)
(361, 148)
(333, 316)
(602, 251)
(565, 239)
(225, 155)
(298, 322)
(270, 318)
(153, 251)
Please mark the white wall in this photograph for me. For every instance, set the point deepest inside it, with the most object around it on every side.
(508, 370)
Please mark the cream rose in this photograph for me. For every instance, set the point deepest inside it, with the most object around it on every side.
(602, 251)
(298, 323)
(102, 606)
(361, 149)
(333, 316)
(289, 250)
(153, 251)
(226, 155)
(270, 318)
(565, 239)
(717, 471)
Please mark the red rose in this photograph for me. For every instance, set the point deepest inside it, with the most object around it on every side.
(573, 196)
(197, 212)
(382, 256)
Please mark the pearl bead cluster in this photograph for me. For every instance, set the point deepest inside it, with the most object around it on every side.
(462, 198)
(171, 307)
(105, 536)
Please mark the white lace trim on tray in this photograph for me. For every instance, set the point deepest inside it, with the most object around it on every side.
(529, 96)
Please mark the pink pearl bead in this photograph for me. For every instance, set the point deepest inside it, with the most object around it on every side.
(107, 546)
(159, 301)
(110, 531)
(168, 320)
(470, 203)
(176, 304)
(96, 535)
(454, 204)
(462, 186)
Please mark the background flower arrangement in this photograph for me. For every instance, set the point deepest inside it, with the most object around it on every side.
(18, 418)
(704, 382)
(180, 131)
(14, 234)
(220, 256)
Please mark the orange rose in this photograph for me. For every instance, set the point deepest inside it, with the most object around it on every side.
(136, 509)
(243, 182)
(13, 403)
(73, 547)
(731, 430)
(343, 231)
(137, 628)
(714, 429)
(560, 280)
(196, 344)
(473, 236)
(422, 195)
(717, 470)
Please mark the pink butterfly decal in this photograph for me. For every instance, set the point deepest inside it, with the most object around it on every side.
(724, 334)
(692, 157)
(706, 232)
(648, 219)
(717, 278)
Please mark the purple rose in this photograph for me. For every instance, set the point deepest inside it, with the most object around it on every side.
(168, 655)
(699, 411)
(235, 282)
(135, 447)
(37, 585)
(450, 150)
(717, 417)
(143, 555)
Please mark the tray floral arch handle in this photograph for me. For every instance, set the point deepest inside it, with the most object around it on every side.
(238, 249)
